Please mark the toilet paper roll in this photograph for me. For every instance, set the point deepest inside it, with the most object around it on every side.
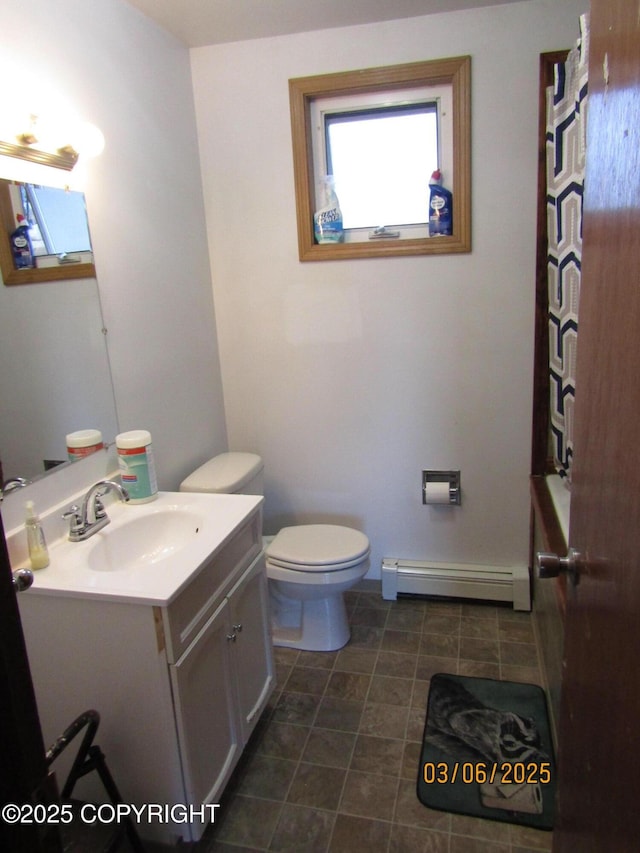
(436, 493)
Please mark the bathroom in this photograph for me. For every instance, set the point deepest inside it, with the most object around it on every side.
(349, 378)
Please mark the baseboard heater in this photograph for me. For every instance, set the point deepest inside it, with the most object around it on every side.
(456, 580)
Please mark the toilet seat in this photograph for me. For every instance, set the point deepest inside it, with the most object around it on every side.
(317, 548)
(311, 569)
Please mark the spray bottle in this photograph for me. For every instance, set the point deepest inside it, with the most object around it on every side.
(440, 207)
(21, 247)
(327, 220)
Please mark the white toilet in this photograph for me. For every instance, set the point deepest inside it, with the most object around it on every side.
(309, 566)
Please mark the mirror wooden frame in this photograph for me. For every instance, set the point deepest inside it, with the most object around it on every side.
(456, 72)
(11, 275)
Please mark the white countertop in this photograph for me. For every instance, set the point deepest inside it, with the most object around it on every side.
(157, 578)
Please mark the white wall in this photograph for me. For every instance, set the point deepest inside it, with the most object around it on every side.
(144, 195)
(55, 373)
(350, 377)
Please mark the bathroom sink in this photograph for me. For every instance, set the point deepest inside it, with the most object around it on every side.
(148, 552)
(144, 540)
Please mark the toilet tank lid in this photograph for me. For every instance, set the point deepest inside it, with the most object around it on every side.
(225, 473)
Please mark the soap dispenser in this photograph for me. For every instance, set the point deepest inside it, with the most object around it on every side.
(38, 552)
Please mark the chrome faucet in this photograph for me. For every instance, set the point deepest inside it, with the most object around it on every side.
(91, 516)
(13, 483)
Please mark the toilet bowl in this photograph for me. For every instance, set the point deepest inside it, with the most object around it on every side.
(309, 566)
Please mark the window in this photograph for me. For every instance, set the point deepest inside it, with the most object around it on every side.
(381, 133)
(382, 154)
(381, 160)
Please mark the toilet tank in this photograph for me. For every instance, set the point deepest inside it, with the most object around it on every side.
(228, 474)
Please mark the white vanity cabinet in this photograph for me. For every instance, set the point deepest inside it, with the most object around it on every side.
(221, 684)
(179, 684)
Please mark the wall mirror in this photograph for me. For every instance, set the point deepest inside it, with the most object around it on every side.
(430, 82)
(57, 257)
(55, 376)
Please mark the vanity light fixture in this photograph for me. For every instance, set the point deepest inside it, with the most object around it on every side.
(65, 157)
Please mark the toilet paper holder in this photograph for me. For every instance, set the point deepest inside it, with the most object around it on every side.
(452, 478)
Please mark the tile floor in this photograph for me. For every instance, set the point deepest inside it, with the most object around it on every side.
(332, 765)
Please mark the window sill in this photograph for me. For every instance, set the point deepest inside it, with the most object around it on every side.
(383, 248)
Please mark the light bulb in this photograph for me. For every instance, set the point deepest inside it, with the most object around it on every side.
(87, 139)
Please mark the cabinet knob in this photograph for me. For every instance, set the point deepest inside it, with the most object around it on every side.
(22, 579)
(231, 637)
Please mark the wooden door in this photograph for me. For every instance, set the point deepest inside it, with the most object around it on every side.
(599, 745)
(23, 770)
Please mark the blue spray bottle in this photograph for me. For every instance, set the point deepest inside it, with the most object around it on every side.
(21, 247)
(440, 207)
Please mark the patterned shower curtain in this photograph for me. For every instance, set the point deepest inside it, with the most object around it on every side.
(566, 146)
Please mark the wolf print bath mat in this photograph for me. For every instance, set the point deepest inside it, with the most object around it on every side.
(487, 751)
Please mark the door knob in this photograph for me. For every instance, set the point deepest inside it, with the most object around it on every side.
(550, 565)
(22, 579)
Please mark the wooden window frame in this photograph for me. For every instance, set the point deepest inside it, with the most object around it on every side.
(454, 71)
(10, 274)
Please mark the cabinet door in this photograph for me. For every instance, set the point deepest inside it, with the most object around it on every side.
(206, 717)
(249, 602)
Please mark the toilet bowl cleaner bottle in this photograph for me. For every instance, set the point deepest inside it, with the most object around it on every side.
(21, 247)
(440, 207)
(327, 220)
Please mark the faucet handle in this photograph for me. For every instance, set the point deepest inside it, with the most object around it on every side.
(99, 510)
(74, 514)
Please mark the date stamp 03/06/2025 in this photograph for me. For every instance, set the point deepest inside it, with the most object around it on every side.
(482, 772)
